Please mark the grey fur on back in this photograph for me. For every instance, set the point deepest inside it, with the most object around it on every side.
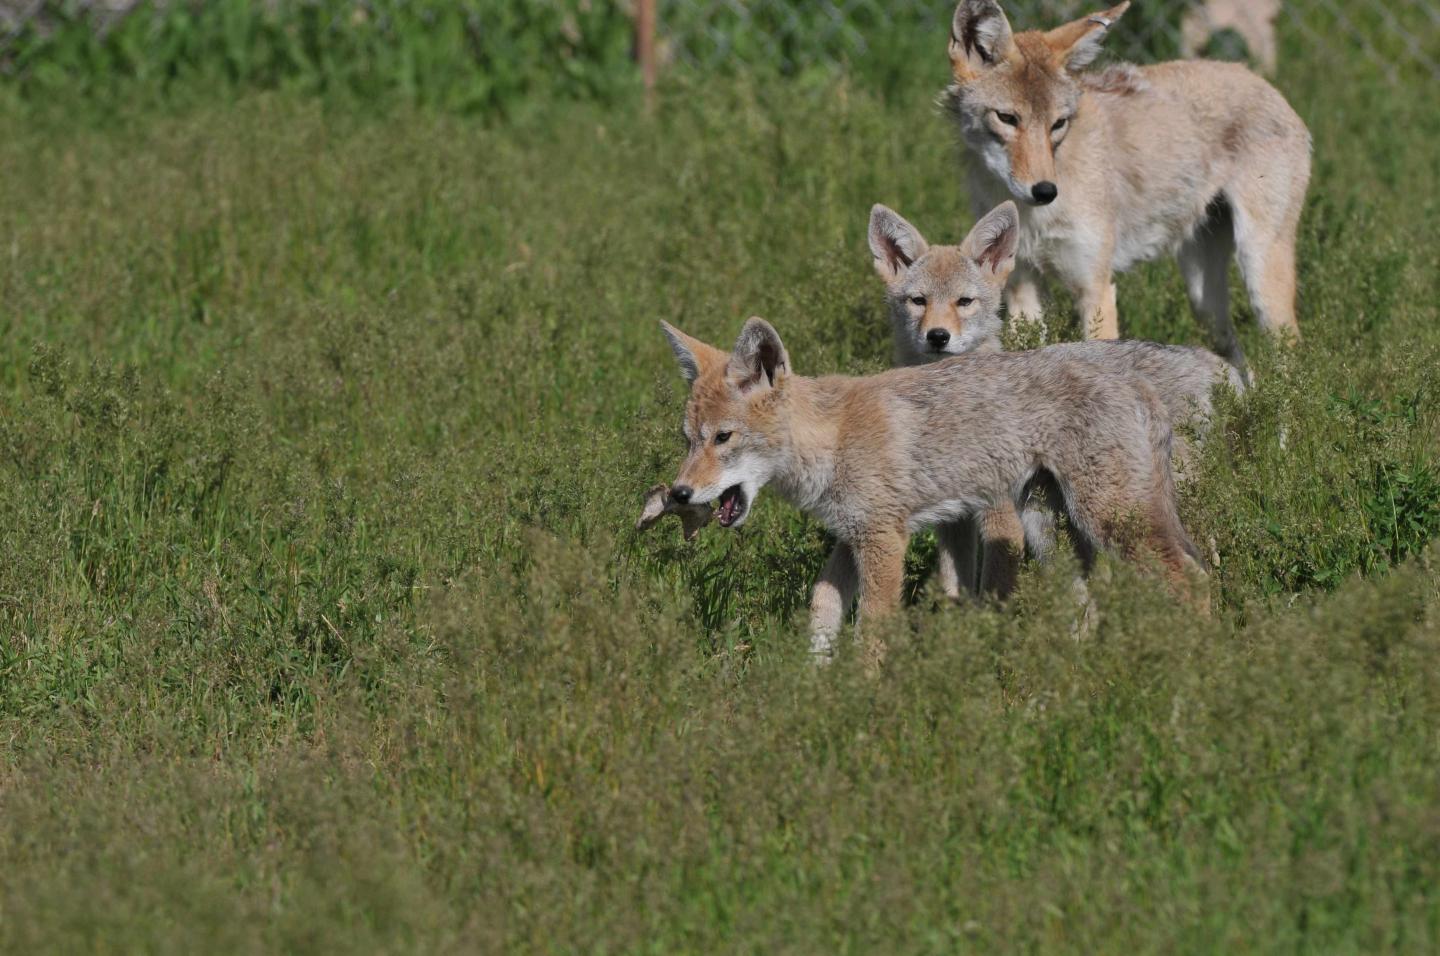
(1184, 377)
(983, 424)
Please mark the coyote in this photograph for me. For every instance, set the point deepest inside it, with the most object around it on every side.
(877, 457)
(1254, 20)
(1125, 164)
(945, 300)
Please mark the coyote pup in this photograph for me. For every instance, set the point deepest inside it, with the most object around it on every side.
(878, 457)
(945, 300)
(1126, 164)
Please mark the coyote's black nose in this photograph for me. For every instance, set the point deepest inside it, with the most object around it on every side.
(682, 493)
(1045, 192)
(937, 338)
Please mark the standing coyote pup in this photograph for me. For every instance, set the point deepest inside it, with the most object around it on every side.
(878, 457)
(1126, 164)
(945, 300)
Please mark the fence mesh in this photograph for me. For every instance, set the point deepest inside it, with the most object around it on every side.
(1399, 37)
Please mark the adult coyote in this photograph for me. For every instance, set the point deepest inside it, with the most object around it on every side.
(1127, 164)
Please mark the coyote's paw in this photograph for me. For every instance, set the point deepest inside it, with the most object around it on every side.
(658, 504)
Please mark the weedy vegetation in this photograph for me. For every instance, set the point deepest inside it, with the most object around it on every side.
(322, 623)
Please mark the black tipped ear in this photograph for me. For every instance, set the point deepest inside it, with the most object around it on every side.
(693, 355)
(994, 241)
(759, 359)
(894, 243)
(980, 39)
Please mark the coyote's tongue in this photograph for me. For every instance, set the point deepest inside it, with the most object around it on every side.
(729, 506)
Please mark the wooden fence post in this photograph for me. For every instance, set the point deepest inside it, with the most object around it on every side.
(645, 46)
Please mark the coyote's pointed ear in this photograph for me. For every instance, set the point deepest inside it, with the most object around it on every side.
(759, 359)
(894, 243)
(980, 39)
(1077, 44)
(993, 242)
(694, 356)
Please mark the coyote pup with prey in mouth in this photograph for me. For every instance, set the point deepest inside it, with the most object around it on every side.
(876, 458)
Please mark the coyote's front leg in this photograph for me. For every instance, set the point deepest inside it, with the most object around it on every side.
(880, 555)
(1089, 271)
(834, 593)
(1022, 296)
(881, 559)
(1099, 313)
(876, 564)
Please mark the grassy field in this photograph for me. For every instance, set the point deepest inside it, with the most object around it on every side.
(323, 625)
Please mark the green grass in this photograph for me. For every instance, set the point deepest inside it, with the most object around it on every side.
(322, 624)
(490, 57)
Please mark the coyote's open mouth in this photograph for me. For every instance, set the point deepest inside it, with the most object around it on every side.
(732, 506)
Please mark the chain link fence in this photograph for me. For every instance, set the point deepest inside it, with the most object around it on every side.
(1399, 37)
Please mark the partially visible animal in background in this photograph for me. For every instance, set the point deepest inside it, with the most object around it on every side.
(945, 300)
(1253, 20)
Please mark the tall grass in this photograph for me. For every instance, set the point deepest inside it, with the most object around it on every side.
(480, 56)
(322, 625)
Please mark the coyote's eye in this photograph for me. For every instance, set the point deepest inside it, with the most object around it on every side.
(917, 300)
(721, 437)
(964, 301)
(1059, 124)
(1009, 119)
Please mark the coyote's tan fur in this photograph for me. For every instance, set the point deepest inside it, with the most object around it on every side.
(1127, 164)
(875, 458)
